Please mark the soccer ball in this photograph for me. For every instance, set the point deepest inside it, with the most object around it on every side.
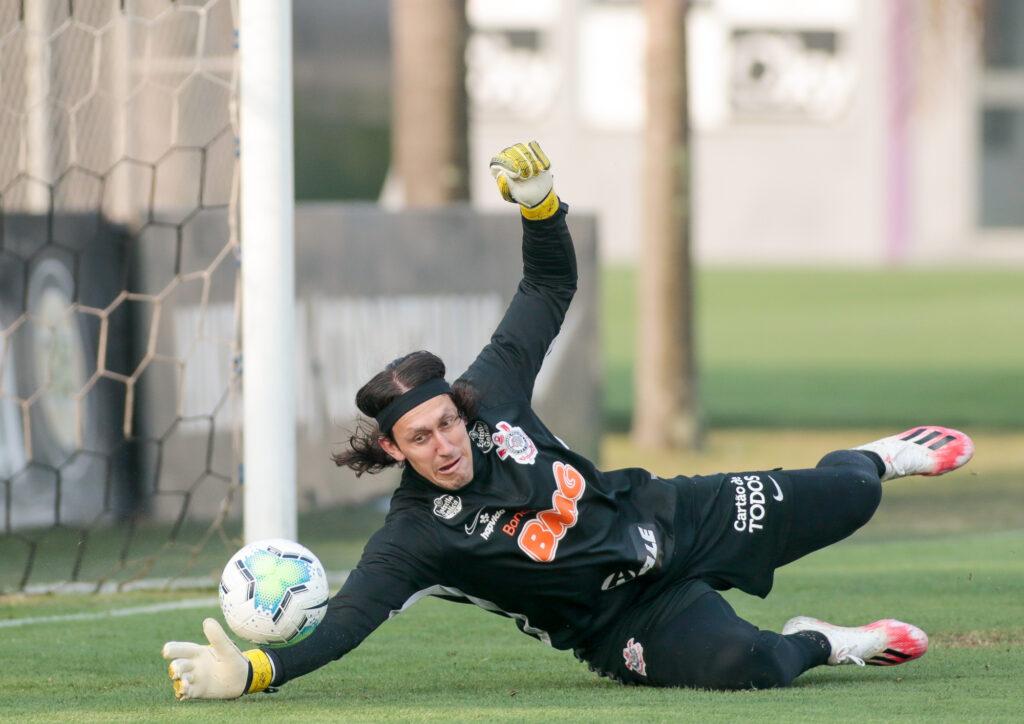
(273, 592)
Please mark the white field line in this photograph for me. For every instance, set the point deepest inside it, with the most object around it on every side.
(113, 613)
(336, 579)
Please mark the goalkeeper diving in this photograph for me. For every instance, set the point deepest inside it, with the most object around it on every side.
(621, 567)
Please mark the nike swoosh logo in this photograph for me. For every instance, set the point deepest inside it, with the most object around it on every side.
(777, 495)
(470, 527)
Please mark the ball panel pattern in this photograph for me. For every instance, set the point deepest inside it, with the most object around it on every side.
(273, 592)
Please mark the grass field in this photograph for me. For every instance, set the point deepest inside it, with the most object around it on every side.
(814, 348)
(951, 562)
(794, 363)
(445, 662)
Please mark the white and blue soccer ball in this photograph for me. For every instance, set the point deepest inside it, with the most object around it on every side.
(273, 592)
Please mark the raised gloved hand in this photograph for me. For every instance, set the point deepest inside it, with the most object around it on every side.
(523, 176)
(217, 671)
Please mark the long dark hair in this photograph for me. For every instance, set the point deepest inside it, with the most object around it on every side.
(364, 453)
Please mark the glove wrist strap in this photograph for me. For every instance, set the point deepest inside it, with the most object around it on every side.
(544, 210)
(261, 671)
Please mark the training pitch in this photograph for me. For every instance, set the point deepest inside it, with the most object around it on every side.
(957, 578)
(798, 355)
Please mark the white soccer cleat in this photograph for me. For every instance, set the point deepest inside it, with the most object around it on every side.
(883, 643)
(924, 450)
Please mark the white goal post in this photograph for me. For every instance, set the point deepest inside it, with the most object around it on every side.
(268, 269)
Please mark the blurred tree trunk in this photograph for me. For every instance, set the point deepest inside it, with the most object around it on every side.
(429, 132)
(666, 410)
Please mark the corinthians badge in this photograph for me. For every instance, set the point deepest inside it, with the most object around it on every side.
(513, 442)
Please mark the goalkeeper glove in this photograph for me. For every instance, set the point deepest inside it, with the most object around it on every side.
(523, 176)
(217, 671)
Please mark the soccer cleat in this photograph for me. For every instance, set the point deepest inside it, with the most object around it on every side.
(924, 450)
(883, 643)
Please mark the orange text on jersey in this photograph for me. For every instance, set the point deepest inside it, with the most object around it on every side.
(539, 537)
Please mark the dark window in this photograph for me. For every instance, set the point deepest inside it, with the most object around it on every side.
(1002, 167)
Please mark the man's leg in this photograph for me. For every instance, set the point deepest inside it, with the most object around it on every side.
(707, 646)
(841, 493)
(923, 450)
(701, 643)
(754, 522)
(831, 501)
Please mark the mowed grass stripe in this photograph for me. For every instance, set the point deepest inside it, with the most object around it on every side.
(458, 663)
(809, 347)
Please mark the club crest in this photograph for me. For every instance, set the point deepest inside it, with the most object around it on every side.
(480, 434)
(634, 656)
(513, 442)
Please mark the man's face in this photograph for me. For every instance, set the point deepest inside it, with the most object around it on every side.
(432, 437)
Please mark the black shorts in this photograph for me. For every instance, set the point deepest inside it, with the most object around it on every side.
(733, 530)
(741, 524)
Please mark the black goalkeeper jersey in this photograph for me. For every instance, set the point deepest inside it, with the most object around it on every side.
(540, 534)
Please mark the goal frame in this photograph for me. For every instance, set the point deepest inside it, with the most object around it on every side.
(267, 197)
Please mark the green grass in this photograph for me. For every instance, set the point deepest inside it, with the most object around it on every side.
(817, 348)
(158, 550)
(440, 661)
(946, 554)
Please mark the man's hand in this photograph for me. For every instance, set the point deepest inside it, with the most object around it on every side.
(217, 671)
(523, 176)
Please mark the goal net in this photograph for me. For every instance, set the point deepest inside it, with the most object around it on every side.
(119, 280)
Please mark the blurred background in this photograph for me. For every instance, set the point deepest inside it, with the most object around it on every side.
(830, 144)
(800, 227)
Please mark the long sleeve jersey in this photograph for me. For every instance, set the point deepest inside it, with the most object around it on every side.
(540, 534)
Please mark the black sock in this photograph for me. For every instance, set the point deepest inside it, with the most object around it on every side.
(876, 459)
(813, 645)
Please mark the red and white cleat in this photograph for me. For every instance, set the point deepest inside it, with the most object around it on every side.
(924, 450)
(883, 643)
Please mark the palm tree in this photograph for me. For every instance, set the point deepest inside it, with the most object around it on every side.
(429, 126)
(666, 412)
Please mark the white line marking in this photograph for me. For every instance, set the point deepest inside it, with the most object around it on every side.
(335, 579)
(113, 613)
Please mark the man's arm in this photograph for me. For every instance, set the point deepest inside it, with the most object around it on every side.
(389, 573)
(509, 364)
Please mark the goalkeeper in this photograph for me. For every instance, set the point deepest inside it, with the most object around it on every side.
(621, 567)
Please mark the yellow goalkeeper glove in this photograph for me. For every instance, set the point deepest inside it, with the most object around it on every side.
(524, 177)
(217, 671)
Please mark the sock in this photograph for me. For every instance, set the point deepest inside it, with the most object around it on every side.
(876, 459)
(812, 644)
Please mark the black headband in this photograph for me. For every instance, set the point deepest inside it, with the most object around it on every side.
(433, 387)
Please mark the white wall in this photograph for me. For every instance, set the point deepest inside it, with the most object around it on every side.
(809, 169)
